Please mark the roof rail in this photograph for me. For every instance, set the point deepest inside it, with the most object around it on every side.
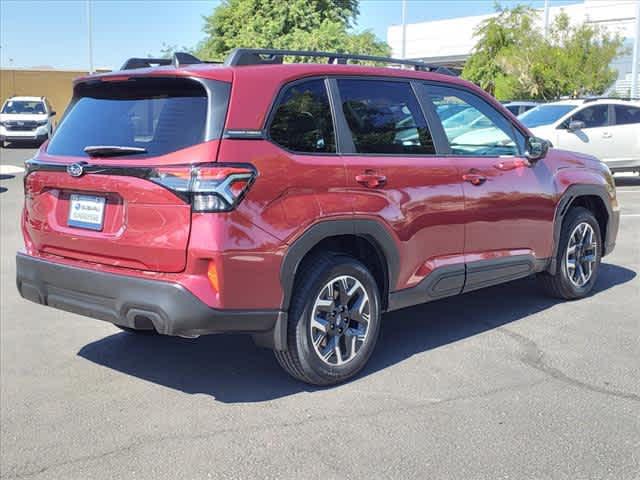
(268, 56)
(177, 60)
(626, 99)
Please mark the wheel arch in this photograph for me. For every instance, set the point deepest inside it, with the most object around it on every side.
(366, 240)
(596, 199)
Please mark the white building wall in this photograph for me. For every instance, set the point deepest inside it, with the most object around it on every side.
(451, 41)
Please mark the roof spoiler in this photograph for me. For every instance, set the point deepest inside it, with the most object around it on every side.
(178, 59)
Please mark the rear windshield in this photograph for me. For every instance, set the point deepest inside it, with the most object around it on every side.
(158, 115)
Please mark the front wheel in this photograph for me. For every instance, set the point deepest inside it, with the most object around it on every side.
(578, 258)
(334, 321)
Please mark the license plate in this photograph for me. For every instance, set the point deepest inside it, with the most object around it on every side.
(86, 211)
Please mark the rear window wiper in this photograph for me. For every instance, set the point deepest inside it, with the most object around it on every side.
(112, 150)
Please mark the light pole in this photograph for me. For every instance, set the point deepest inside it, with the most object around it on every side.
(404, 29)
(546, 18)
(636, 54)
(89, 36)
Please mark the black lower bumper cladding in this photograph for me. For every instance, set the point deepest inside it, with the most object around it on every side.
(133, 302)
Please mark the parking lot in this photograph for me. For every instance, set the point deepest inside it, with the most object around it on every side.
(498, 383)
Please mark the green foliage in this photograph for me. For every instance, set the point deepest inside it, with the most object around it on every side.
(291, 24)
(513, 60)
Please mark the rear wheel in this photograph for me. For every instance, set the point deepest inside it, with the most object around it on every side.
(578, 258)
(334, 321)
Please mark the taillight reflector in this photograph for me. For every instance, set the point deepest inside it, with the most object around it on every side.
(209, 188)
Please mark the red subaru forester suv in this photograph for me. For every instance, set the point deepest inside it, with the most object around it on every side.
(298, 202)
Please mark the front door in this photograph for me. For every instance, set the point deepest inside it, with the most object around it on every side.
(509, 205)
(594, 138)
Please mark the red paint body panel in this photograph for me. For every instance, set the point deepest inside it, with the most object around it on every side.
(145, 226)
(421, 203)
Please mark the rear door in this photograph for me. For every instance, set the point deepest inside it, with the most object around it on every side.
(509, 206)
(395, 175)
(626, 135)
(117, 208)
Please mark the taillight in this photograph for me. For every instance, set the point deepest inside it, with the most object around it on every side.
(209, 188)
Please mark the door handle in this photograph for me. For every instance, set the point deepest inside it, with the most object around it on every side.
(507, 165)
(474, 178)
(607, 135)
(371, 180)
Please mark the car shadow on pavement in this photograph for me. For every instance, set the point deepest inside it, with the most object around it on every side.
(231, 369)
(5, 177)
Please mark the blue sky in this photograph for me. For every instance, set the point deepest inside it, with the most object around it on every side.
(54, 33)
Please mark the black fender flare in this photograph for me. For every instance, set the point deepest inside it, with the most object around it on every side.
(372, 230)
(570, 194)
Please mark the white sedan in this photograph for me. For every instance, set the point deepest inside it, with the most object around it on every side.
(609, 129)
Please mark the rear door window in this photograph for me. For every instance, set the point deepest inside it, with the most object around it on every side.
(302, 121)
(159, 115)
(626, 115)
(384, 117)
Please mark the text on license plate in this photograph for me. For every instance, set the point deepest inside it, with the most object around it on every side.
(86, 211)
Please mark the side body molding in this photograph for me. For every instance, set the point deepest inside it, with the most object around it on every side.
(371, 230)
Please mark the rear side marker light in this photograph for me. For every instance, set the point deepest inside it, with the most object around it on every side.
(209, 188)
(212, 274)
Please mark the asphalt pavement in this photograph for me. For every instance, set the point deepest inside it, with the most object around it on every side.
(496, 384)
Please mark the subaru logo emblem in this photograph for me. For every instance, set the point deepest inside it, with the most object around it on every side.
(75, 170)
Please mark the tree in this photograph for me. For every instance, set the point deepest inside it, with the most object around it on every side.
(512, 59)
(291, 24)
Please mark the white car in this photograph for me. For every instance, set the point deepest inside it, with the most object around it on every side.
(26, 119)
(608, 129)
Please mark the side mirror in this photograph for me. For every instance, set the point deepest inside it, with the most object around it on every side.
(52, 114)
(537, 149)
(576, 125)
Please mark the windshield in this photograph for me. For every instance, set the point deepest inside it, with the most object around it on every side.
(544, 114)
(35, 107)
(150, 117)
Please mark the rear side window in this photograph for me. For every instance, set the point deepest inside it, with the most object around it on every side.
(302, 120)
(626, 115)
(159, 115)
(384, 117)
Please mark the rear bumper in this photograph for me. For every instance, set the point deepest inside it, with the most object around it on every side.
(137, 302)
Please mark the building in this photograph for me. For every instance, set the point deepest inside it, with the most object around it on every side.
(424, 40)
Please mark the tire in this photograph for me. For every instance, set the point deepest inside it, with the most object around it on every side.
(136, 331)
(353, 330)
(567, 282)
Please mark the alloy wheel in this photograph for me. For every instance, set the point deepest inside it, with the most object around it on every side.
(340, 320)
(581, 254)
